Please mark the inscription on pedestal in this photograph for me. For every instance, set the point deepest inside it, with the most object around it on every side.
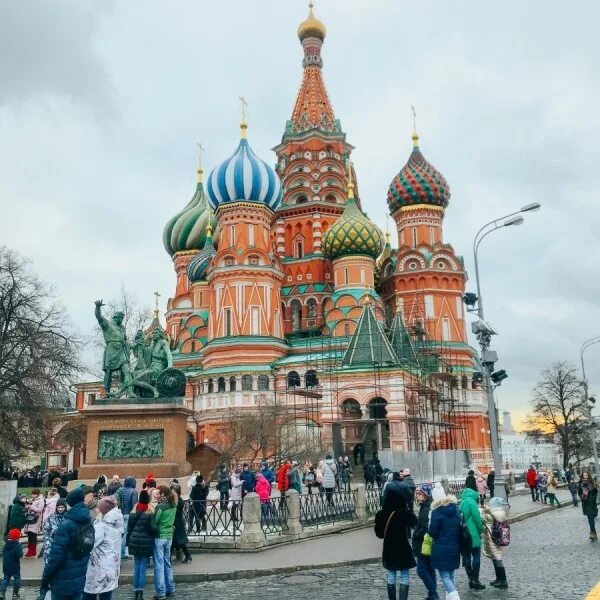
(145, 443)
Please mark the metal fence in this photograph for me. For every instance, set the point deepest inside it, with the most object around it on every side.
(273, 516)
(374, 501)
(331, 506)
(211, 518)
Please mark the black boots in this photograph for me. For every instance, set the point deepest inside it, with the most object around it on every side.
(403, 592)
(474, 582)
(500, 582)
(138, 595)
(391, 588)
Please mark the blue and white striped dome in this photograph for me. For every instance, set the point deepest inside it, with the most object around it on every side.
(243, 177)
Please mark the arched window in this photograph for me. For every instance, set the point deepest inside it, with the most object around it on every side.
(377, 408)
(293, 379)
(211, 386)
(311, 304)
(454, 382)
(296, 314)
(232, 384)
(299, 248)
(311, 378)
(351, 409)
(346, 329)
(263, 382)
(221, 384)
(301, 199)
(464, 382)
(246, 382)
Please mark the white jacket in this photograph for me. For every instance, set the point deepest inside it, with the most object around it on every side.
(105, 560)
(329, 472)
(236, 487)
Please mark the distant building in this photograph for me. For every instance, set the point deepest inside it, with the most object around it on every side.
(518, 452)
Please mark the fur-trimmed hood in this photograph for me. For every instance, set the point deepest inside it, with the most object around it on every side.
(450, 499)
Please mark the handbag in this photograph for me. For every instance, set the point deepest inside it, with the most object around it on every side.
(427, 547)
(378, 523)
(31, 517)
(465, 541)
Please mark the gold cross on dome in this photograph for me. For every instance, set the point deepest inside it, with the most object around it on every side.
(243, 106)
(156, 296)
(414, 113)
(200, 154)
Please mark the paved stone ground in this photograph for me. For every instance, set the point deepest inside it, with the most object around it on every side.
(550, 558)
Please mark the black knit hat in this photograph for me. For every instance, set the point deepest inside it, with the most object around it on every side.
(144, 497)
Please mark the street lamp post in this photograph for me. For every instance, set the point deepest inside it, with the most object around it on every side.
(484, 334)
(584, 347)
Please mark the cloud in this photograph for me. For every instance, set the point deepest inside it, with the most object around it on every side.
(102, 104)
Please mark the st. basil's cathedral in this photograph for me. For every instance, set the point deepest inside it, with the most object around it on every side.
(287, 292)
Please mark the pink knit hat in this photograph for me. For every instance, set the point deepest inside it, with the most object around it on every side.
(106, 504)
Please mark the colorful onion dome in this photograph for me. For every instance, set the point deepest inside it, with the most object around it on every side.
(243, 177)
(187, 229)
(311, 26)
(418, 182)
(199, 264)
(353, 233)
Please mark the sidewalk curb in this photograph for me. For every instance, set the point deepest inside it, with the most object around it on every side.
(127, 578)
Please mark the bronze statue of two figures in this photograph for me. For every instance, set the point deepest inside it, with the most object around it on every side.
(153, 374)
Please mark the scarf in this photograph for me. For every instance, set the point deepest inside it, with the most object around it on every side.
(140, 507)
(585, 489)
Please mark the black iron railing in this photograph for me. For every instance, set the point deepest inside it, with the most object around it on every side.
(373, 495)
(273, 516)
(331, 506)
(213, 519)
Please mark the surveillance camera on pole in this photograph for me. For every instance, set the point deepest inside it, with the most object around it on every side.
(483, 327)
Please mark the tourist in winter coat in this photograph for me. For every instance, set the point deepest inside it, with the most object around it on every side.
(369, 475)
(346, 474)
(60, 490)
(542, 486)
(424, 569)
(551, 488)
(444, 528)
(397, 485)
(329, 477)
(100, 486)
(164, 518)
(180, 538)
(35, 507)
(283, 482)
(11, 563)
(531, 479)
(407, 479)
(198, 495)
(51, 525)
(105, 560)
(474, 523)
(16, 517)
(491, 481)
(235, 495)
(267, 472)
(223, 486)
(572, 485)
(127, 497)
(263, 489)
(65, 571)
(482, 488)
(141, 531)
(394, 524)
(51, 499)
(470, 481)
(248, 478)
(294, 477)
(495, 512)
(114, 485)
(438, 492)
(588, 494)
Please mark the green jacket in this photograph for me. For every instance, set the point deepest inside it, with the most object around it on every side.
(164, 518)
(470, 509)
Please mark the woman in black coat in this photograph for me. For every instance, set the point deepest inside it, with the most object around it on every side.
(180, 538)
(141, 531)
(397, 519)
(198, 494)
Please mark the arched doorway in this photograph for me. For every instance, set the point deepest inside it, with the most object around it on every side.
(379, 435)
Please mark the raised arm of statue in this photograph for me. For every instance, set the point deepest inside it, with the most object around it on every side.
(98, 312)
(168, 354)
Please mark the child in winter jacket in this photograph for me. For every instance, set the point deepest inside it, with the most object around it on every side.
(11, 563)
(482, 488)
(493, 513)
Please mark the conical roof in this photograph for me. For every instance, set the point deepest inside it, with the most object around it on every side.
(401, 342)
(369, 344)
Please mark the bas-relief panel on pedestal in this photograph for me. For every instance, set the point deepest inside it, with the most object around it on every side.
(146, 443)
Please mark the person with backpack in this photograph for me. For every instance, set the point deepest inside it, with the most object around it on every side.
(393, 524)
(164, 518)
(33, 518)
(588, 494)
(66, 566)
(11, 564)
(445, 529)
(103, 570)
(474, 523)
(551, 489)
(141, 531)
(496, 536)
(424, 569)
(126, 497)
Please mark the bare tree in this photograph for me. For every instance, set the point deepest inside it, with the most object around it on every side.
(560, 412)
(39, 356)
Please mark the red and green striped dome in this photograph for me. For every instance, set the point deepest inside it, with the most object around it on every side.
(418, 182)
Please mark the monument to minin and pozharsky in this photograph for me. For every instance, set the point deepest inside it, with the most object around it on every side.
(140, 425)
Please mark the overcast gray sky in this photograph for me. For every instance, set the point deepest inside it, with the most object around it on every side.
(102, 103)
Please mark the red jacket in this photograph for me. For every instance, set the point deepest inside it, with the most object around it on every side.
(531, 478)
(283, 483)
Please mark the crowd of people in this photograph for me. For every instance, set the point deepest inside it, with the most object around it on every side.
(37, 477)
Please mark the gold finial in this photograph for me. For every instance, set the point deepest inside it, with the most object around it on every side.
(415, 135)
(368, 300)
(200, 171)
(350, 187)
(156, 297)
(311, 26)
(398, 309)
(209, 230)
(243, 123)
